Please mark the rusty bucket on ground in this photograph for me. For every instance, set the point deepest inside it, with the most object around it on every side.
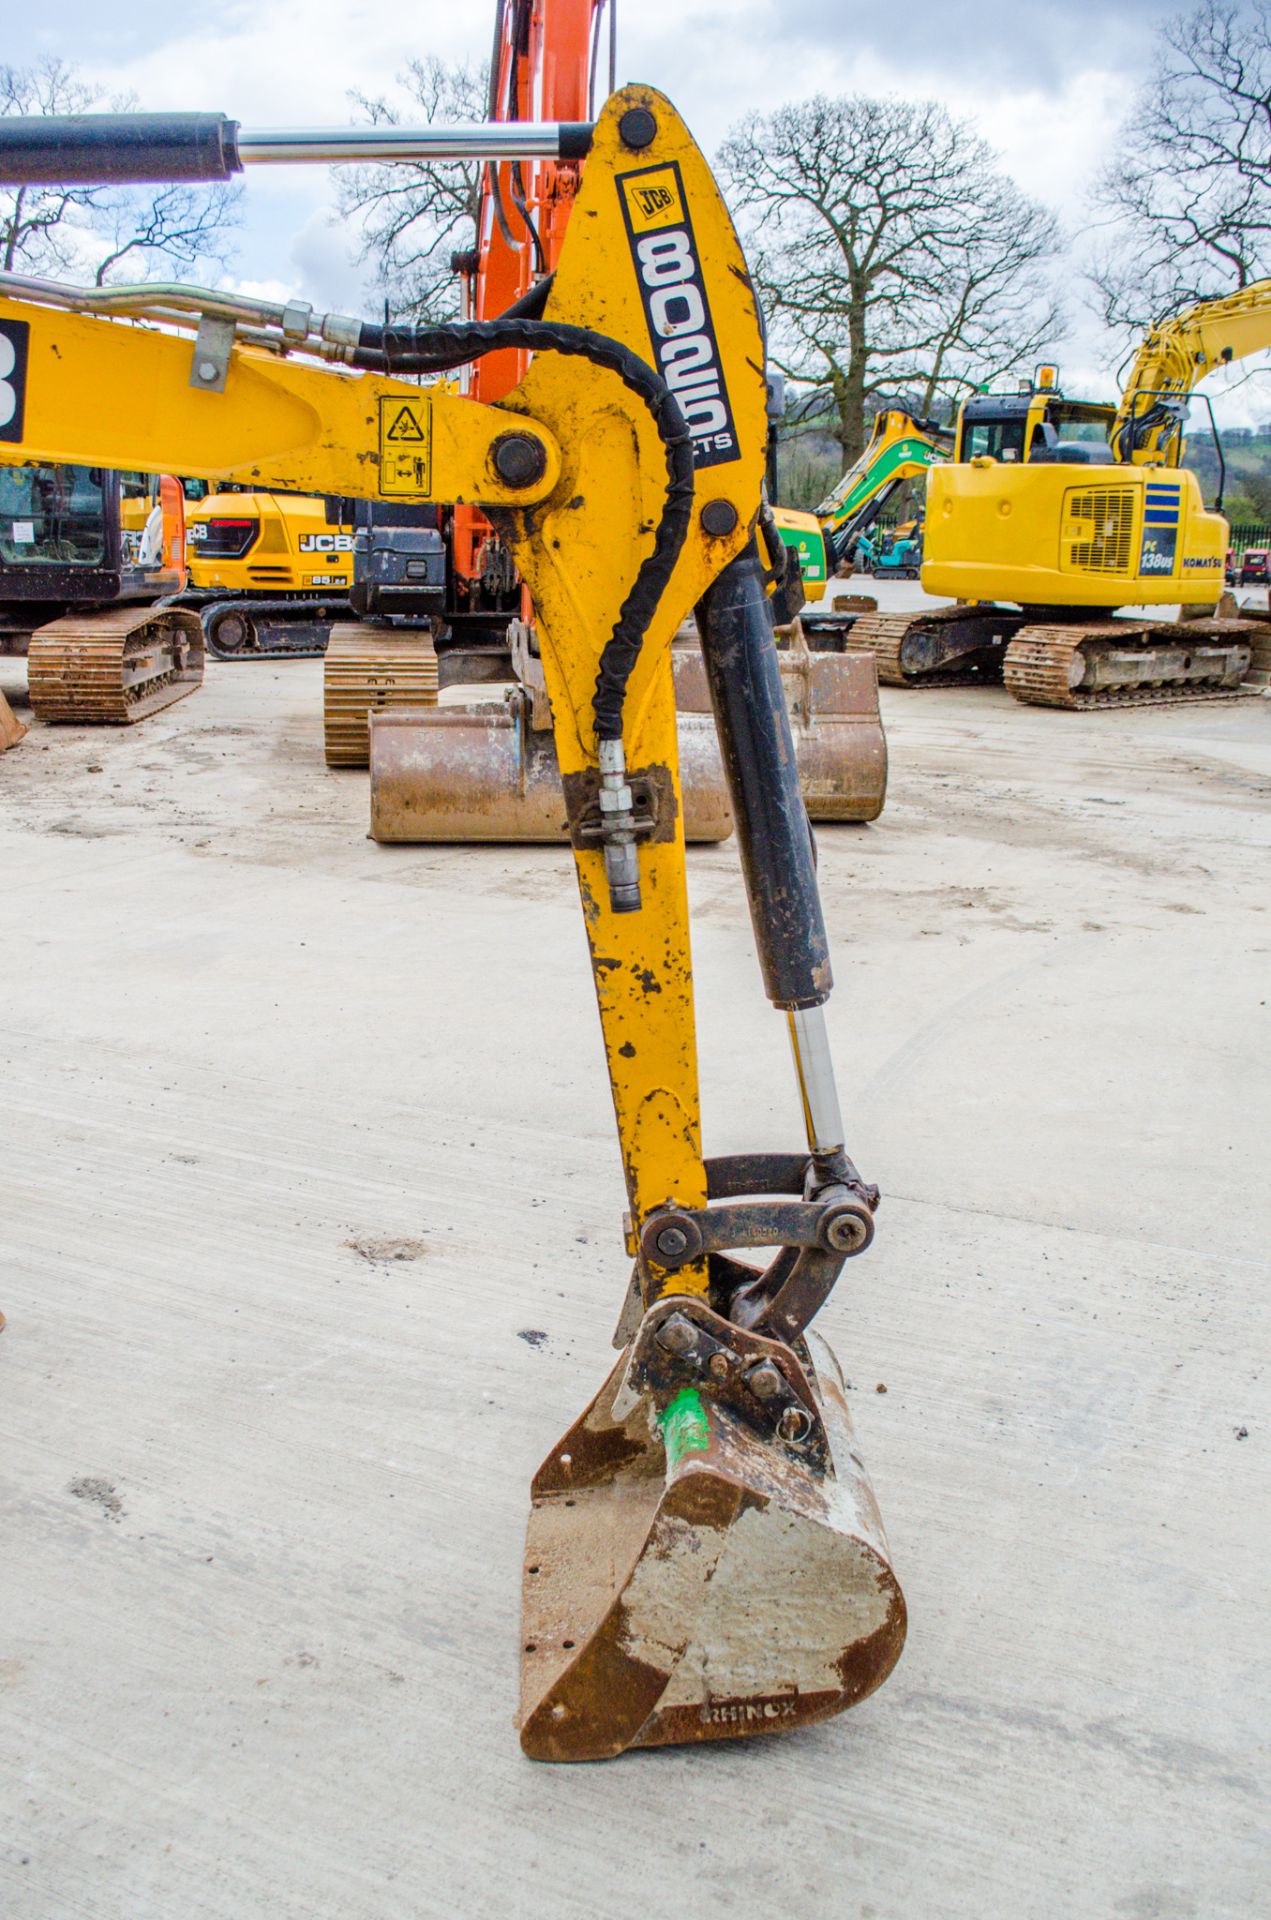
(488, 770)
(835, 722)
(485, 772)
(11, 728)
(703, 1564)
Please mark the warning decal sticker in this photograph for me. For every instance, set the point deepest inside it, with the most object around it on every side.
(405, 447)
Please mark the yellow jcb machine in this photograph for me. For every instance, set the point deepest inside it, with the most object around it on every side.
(486, 768)
(269, 572)
(1054, 513)
(705, 1558)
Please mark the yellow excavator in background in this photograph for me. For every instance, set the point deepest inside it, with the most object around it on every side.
(1054, 513)
(269, 572)
(705, 1559)
(902, 446)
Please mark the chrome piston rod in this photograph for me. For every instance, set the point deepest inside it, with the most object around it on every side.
(334, 146)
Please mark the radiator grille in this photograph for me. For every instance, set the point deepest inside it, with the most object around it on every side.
(1100, 528)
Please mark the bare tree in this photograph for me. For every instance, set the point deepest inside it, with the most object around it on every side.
(890, 251)
(93, 229)
(180, 226)
(37, 224)
(413, 217)
(1188, 192)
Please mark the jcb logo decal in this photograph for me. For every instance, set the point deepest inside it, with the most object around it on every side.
(676, 308)
(326, 543)
(653, 199)
(14, 336)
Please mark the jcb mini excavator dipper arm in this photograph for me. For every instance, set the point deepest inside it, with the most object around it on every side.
(713, 1477)
(1173, 358)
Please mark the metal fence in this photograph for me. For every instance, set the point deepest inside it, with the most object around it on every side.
(1249, 534)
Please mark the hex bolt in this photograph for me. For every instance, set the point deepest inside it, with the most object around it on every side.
(719, 517)
(519, 460)
(847, 1233)
(672, 1241)
(795, 1424)
(720, 1365)
(765, 1380)
(637, 129)
(207, 369)
(677, 1335)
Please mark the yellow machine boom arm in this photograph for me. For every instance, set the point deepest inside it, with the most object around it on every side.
(1173, 358)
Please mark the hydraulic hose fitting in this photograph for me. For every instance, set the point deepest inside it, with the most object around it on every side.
(617, 813)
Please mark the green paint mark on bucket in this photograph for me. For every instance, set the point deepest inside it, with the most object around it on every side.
(685, 1427)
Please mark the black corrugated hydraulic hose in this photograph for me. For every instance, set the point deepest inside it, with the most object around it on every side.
(441, 349)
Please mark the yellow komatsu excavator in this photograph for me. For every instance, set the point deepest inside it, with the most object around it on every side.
(1054, 513)
(705, 1558)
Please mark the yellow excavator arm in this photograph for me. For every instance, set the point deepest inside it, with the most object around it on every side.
(705, 1558)
(1173, 358)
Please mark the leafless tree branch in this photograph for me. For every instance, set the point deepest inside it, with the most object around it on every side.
(889, 250)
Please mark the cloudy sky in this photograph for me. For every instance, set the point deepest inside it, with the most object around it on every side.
(1046, 83)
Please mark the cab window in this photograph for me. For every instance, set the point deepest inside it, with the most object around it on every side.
(52, 516)
(999, 439)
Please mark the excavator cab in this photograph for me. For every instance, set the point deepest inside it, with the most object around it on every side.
(1036, 425)
(85, 552)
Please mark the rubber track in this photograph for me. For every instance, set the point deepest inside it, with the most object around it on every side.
(1038, 660)
(369, 668)
(883, 635)
(83, 666)
(280, 612)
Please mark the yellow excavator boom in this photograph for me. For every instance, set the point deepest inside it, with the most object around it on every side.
(1173, 358)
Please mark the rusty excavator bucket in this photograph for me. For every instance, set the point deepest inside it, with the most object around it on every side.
(703, 1564)
(488, 770)
(11, 728)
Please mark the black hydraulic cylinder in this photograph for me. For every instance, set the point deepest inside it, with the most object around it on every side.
(763, 780)
(116, 149)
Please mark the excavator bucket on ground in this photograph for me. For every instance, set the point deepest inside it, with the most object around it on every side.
(489, 771)
(692, 1573)
(832, 700)
(11, 728)
(485, 772)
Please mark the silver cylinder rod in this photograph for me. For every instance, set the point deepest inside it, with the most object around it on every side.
(810, 1044)
(333, 146)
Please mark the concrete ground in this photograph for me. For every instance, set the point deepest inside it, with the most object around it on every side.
(309, 1247)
